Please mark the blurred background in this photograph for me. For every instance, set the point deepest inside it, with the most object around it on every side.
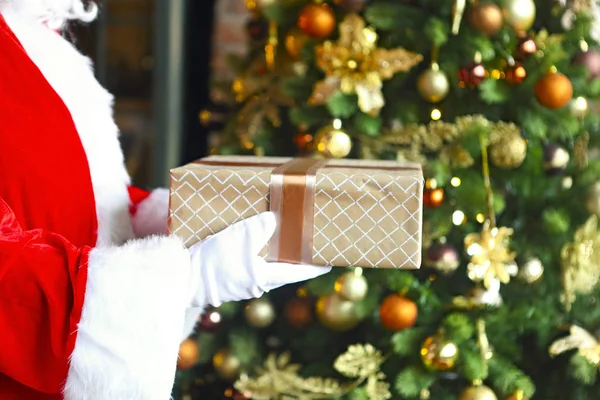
(158, 57)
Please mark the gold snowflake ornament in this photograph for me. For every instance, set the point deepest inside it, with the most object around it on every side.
(355, 65)
(581, 340)
(491, 258)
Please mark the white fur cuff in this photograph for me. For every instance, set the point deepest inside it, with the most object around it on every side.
(151, 215)
(132, 320)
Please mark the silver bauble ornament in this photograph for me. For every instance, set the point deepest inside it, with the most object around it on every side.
(433, 84)
(520, 14)
(579, 107)
(259, 313)
(352, 286)
(531, 271)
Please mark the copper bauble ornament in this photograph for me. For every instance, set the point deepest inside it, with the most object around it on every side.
(433, 84)
(189, 352)
(554, 90)
(259, 313)
(526, 47)
(317, 20)
(486, 18)
(509, 151)
(515, 74)
(531, 271)
(520, 14)
(478, 392)
(591, 60)
(398, 312)
(592, 201)
(336, 313)
(351, 5)
(433, 198)
(443, 258)
(555, 159)
(333, 143)
(472, 74)
(438, 353)
(294, 42)
(227, 365)
(299, 312)
(352, 286)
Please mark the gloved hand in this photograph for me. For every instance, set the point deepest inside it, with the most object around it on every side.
(226, 266)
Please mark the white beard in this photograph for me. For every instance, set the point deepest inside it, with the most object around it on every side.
(53, 13)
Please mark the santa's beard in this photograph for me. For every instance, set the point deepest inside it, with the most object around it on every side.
(54, 13)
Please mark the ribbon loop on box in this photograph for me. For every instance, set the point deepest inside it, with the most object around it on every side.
(292, 198)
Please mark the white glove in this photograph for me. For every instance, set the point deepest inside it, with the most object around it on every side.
(226, 266)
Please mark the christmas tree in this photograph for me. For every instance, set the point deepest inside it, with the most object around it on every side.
(496, 100)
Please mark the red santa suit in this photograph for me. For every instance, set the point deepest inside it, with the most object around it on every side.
(94, 297)
(85, 307)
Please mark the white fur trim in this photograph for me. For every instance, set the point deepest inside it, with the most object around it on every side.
(70, 74)
(151, 215)
(132, 320)
(53, 13)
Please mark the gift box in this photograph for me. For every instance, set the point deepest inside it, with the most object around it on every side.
(344, 213)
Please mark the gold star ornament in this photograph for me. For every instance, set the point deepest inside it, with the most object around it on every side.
(491, 258)
(355, 65)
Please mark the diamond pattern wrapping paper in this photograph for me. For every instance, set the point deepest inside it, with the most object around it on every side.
(365, 214)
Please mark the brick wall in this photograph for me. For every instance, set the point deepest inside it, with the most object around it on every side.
(229, 34)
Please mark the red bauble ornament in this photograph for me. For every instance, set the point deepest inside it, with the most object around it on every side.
(472, 74)
(433, 198)
(351, 5)
(591, 60)
(443, 258)
(303, 141)
(257, 28)
(526, 47)
(516, 74)
(317, 20)
(299, 312)
(210, 320)
(398, 312)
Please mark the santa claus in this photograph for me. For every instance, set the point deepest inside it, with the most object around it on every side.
(94, 296)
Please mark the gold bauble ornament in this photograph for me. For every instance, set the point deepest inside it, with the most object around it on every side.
(336, 313)
(189, 352)
(317, 20)
(531, 271)
(433, 84)
(438, 353)
(520, 14)
(509, 151)
(592, 201)
(478, 392)
(554, 90)
(352, 286)
(486, 18)
(294, 42)
(332, 142)
(227, 365)
(259, 313)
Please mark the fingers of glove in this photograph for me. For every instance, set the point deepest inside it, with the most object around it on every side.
(252, 233)
(274, 275)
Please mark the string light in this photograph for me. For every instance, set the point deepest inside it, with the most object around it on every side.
(458, 218)
(480, 218)
(455, 181)
(337, 123)
(436, 114)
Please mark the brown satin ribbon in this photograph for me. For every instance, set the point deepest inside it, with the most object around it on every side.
(292, 198)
